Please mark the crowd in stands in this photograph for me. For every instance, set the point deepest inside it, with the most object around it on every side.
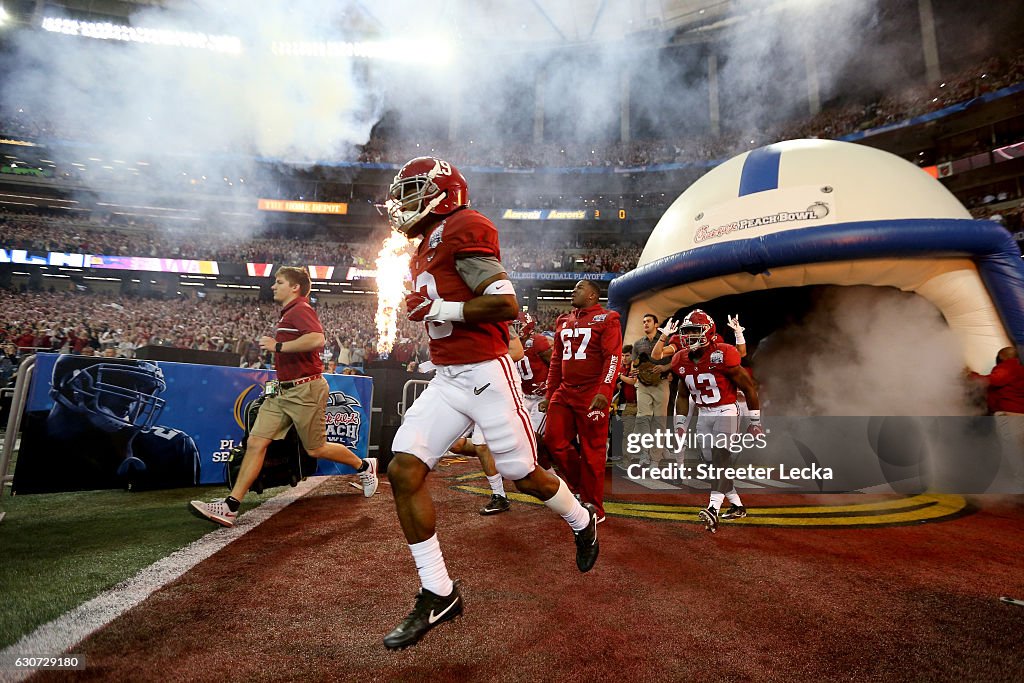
(1009, 211)
(37, 232)
(102, 324)
(831, 122)
(115, 326)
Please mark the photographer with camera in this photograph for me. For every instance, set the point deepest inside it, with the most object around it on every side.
(650, 359)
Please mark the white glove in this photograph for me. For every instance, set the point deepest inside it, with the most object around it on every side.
(669, 328)
(680, 424)
(734, 323)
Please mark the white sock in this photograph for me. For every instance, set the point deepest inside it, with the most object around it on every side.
(716, 500)
(430, 565)
(497, 486)
(565, 504)
(734, 498)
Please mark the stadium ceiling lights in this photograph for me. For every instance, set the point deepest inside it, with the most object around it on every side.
(409, 50)
(3, 15)
(406, 51)
(150, 36)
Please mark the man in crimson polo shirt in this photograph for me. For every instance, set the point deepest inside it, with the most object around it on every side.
(301, 398)
(1005, 398)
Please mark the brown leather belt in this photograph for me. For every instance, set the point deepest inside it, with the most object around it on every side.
(302, 380)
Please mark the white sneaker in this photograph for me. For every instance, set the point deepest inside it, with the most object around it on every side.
(215, 511)
(368, 478)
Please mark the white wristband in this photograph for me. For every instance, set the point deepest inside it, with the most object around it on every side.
(500, 287)
(739, 339)
(446, 311)
(754, 415)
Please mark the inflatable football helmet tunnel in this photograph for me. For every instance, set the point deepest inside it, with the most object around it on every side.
(821, 212)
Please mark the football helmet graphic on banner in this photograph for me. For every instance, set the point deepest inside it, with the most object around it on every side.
(162, 457)
(697, 330)
(424, 186)
(112, 396)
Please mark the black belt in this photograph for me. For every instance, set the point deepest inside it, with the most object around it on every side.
(302, 380)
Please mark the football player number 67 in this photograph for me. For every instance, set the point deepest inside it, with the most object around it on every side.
(581, 350)
(435, 330)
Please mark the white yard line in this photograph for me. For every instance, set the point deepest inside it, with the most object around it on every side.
(65, 632)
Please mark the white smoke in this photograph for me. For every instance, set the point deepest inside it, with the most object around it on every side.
(776, 54)
(864, 351)
(139, 100)
(478, 70)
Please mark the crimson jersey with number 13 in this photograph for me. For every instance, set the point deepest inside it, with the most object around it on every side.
(463, 233)
(706, 379)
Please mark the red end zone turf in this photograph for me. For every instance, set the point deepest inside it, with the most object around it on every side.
(310, 594)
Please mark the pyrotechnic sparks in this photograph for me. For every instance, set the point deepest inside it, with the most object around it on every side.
(392, 271)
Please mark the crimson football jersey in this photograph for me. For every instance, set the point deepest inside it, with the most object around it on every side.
(532, 367)
(706, 379)
(463, 233)
(585, 359)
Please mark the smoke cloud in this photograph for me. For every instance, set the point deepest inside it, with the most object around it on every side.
(864, 351)
(578, 63)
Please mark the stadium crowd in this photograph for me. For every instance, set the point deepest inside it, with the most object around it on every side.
(831, 122)
(38, 232)
(102, 324)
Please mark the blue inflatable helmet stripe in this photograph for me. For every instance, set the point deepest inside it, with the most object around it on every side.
(989, 244)
(760, 170)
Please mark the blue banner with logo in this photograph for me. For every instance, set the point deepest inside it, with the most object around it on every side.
(94, 423)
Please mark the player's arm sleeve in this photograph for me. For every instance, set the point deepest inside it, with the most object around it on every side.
(611, 350)
(732, 356)
(476, 237)
(555, 369)
(475, 270)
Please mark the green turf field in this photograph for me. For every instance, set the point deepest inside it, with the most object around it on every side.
(58, 550)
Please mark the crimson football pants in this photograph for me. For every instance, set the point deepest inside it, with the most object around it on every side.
(583, 470)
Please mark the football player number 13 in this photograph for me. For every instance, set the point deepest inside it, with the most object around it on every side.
(708, 393)
(435, 330)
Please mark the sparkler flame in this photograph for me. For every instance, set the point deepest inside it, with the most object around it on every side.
(392, 271)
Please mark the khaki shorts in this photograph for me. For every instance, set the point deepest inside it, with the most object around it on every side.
(303, 406)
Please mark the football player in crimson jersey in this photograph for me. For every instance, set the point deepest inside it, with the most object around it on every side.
(462, 293)
(533, 368)
(710, 370)
(472, 442)
(581, 380)
(676, 342)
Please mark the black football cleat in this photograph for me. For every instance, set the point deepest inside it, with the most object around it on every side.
(709, 516)
(586, 542)
(735, 512)
(496, 505)
(430, 611)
